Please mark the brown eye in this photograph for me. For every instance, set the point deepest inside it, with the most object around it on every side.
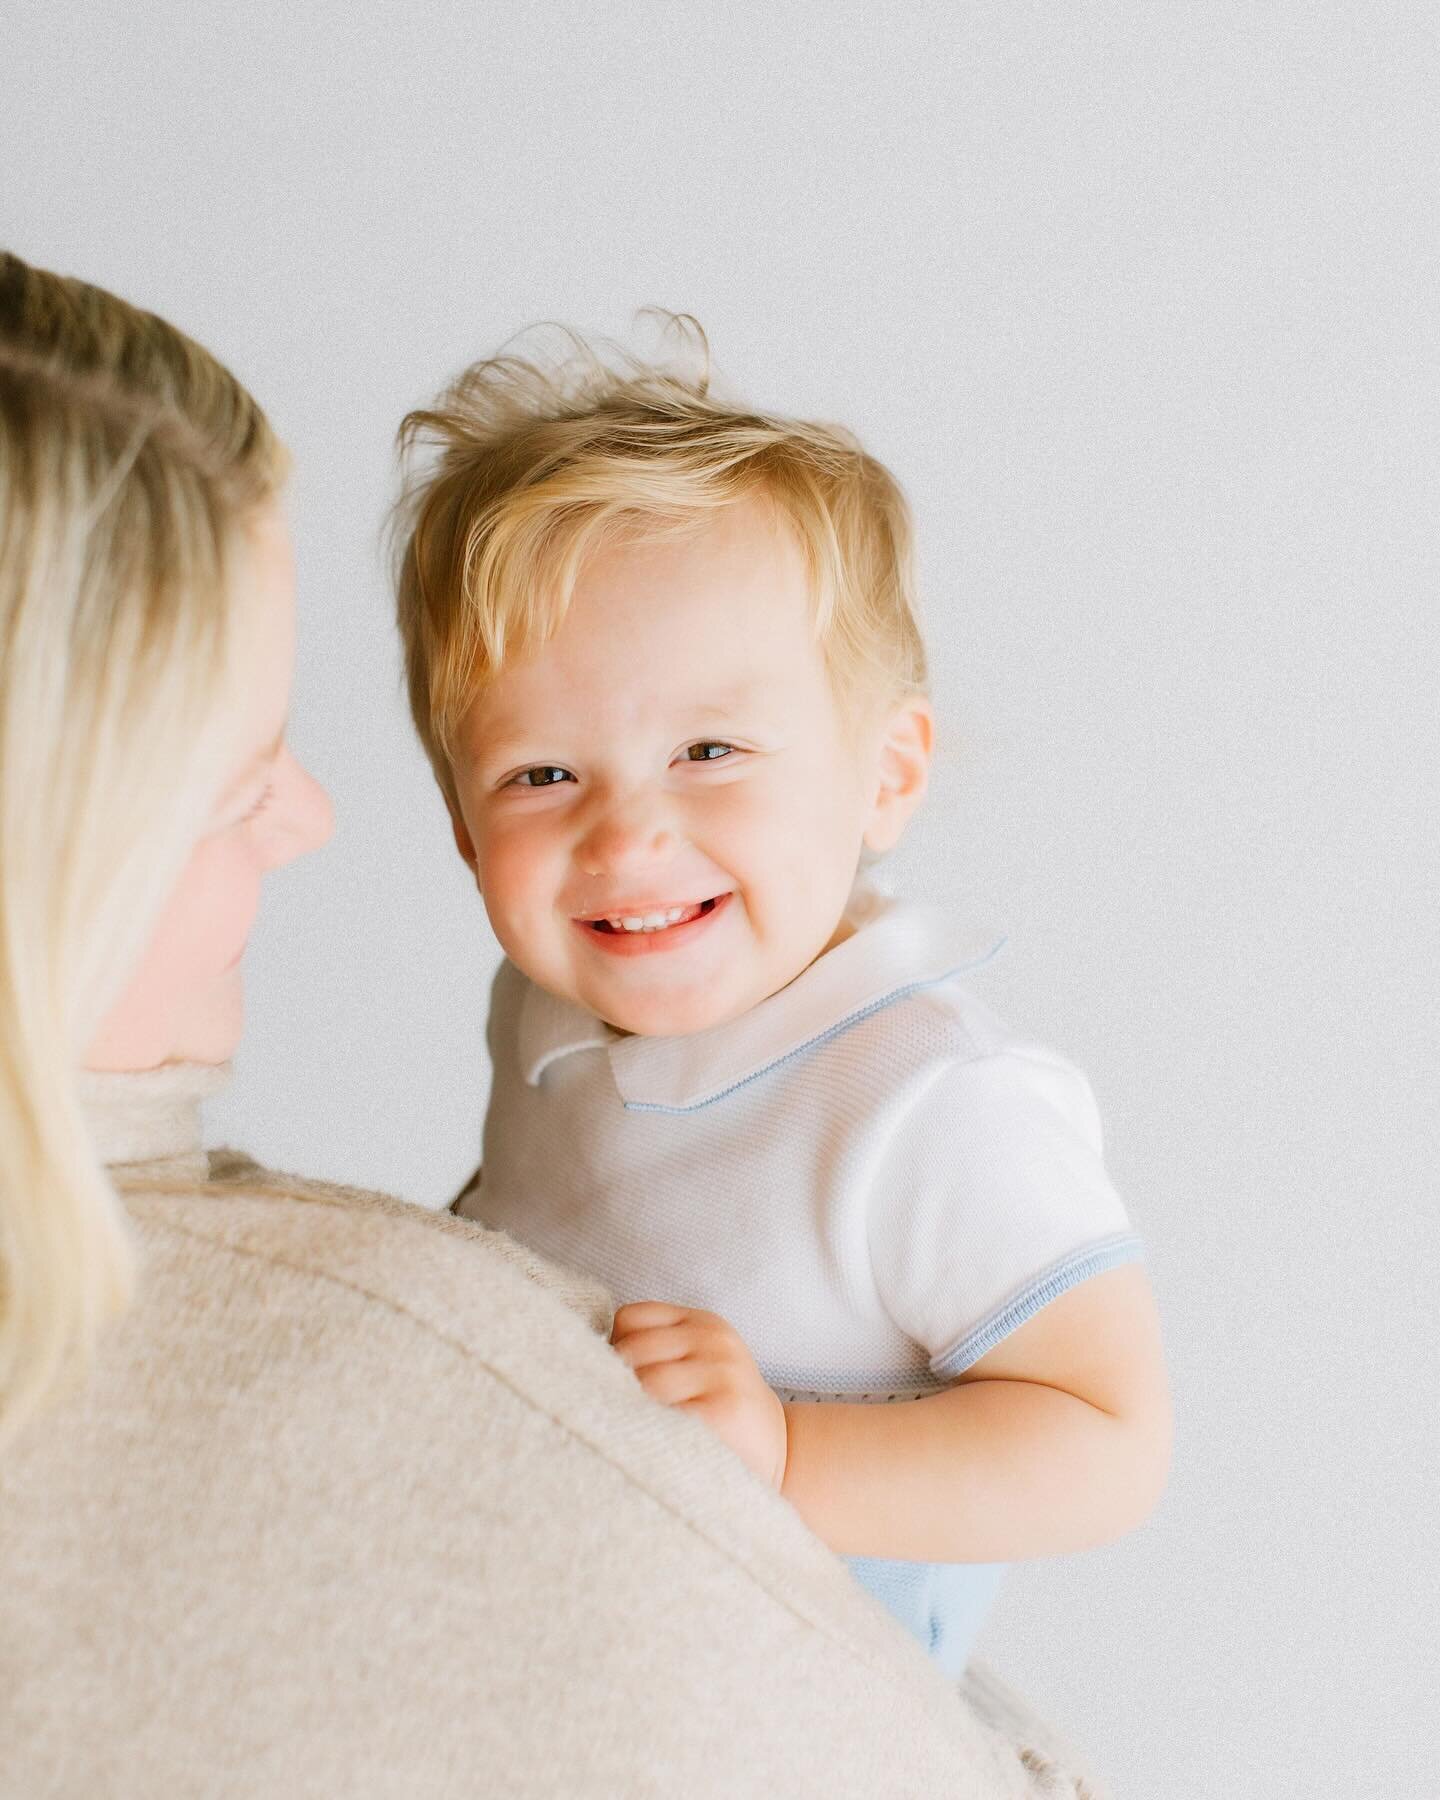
(706, 751)
(544, 775)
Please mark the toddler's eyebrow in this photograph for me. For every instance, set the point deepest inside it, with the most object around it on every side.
(725, 706)
(509, 737)
(499, 745)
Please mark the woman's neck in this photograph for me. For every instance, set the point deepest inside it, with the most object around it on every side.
(152, 1115)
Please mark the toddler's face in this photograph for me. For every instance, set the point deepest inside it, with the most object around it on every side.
(674, 756)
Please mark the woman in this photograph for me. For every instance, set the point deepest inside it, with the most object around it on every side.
(301, 1490)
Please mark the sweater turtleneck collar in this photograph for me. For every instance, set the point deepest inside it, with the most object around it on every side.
(152, 1118)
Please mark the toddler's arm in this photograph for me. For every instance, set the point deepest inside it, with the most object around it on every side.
(1056, 1440)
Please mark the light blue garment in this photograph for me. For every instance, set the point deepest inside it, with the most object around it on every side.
(868, 1175)
(942, 1604)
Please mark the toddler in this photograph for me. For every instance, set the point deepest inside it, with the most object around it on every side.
(663, 654)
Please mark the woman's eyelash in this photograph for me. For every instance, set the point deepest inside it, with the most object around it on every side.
(267, 794)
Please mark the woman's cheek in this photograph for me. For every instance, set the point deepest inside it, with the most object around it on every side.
(223, 901)
(183, 999)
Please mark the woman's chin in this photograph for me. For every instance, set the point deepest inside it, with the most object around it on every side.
(167, 1017)
(211, 1030)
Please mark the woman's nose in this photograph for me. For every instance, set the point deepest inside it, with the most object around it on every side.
(304, 816)
(621, 838)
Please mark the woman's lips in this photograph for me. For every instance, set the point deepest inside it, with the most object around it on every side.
(651, 943)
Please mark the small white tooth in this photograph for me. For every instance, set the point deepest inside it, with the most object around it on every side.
(654, 919)
(632, 924)
(675, 912)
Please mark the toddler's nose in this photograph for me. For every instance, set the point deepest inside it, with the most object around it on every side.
(627, 838)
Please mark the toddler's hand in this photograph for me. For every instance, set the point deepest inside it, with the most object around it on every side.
(696, 1362)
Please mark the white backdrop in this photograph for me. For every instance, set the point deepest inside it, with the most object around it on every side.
(1140, 303)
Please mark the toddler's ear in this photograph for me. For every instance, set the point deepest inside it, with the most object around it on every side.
(463, 842)
(902, 771)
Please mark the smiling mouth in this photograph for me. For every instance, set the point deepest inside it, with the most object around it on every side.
(661, 919)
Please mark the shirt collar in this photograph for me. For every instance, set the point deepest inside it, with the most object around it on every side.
(896, 947)
(549, 1028)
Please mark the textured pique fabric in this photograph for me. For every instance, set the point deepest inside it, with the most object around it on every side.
(356, 1501)
(869, 1175)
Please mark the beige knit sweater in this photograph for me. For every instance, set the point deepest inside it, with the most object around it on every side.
(357, 1502)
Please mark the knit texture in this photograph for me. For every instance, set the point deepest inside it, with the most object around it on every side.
(358, 1502)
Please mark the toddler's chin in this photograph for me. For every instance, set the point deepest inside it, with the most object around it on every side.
(671, 1017)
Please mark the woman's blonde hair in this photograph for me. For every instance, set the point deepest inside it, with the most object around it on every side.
(130, 463)
(535, 464)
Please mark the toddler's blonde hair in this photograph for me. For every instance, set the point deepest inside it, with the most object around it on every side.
(130, 465)
(537, 464)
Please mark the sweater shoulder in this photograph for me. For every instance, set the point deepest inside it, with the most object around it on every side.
(372, 1244)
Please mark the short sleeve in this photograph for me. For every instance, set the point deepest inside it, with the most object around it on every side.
(990, 1201)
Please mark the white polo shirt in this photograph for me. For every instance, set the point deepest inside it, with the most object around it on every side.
(868, 1175)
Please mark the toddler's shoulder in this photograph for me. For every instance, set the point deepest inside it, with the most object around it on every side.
(944, 1023)
(941, 1054)
(955, 1062)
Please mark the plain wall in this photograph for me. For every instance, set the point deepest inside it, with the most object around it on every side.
(1140, 304)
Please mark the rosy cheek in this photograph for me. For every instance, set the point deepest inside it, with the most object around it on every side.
(513, 868)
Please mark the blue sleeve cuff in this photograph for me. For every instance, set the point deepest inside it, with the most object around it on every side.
(1058, 1279)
